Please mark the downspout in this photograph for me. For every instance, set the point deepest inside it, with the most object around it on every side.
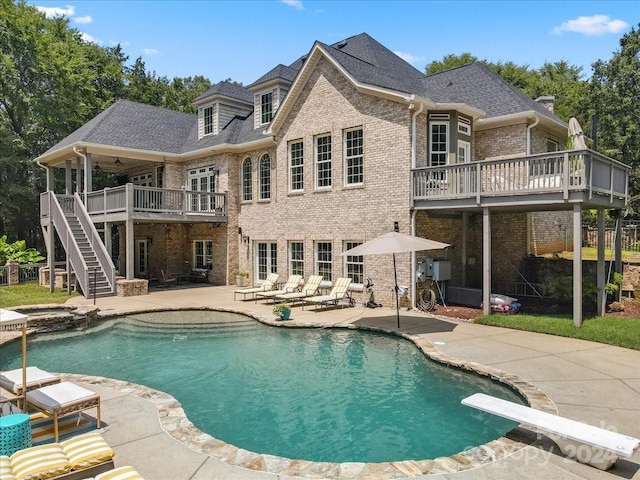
(84, 158)
(414, 119)
(529, 217)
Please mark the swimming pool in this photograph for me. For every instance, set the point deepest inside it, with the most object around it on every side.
(315, 394)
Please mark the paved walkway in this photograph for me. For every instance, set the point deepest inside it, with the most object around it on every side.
(590, 382)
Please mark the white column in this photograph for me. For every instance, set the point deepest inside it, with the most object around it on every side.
(618, 257)
(486, 261)
(463, 248)
(68, 182)
(577, 265)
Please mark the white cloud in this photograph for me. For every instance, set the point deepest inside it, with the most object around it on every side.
(85, 19)
(593, 25)
(297, 4)
(89, 38)
(51, 12)
(150, 51)
(407, 57)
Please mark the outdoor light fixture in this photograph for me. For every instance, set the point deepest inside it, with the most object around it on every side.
(118, 163)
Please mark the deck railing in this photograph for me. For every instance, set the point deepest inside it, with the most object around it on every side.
(134, 198)
(566, 171)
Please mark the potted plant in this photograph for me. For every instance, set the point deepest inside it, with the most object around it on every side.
(282, 310)
(240, 278)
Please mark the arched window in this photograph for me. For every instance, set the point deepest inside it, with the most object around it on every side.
(265, 177)
(247, 184)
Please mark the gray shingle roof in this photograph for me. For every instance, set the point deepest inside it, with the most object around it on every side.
(229, 90)
(476, 85)
(281, 72)
(138, 126)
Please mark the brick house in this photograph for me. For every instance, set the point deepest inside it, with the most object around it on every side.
(316, 157)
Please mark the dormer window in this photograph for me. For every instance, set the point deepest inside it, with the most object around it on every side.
(266, 107)
(207, 120)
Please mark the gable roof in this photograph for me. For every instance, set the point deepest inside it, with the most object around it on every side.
(228, 90)
(371, 66)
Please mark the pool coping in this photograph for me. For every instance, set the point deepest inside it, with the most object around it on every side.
(175, 423)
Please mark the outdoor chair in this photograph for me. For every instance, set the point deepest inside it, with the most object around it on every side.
(293, 283)
(167, 280)
(268, 284)
(308, 290)
(339, 292)
(11, 380)
(63, 399)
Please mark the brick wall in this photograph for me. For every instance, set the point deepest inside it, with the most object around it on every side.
(329, 104)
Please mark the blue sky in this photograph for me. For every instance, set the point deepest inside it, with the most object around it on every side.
(242, 40)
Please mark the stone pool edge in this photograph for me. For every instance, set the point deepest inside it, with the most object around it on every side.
(174, 421)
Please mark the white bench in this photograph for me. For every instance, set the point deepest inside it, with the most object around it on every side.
(587, 444)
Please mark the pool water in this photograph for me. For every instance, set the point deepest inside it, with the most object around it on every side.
(331, 395)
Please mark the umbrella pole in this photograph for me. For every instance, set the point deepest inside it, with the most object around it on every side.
(395, 278)
(24, 366)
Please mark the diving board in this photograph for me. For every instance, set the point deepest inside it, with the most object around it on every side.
(595, 446)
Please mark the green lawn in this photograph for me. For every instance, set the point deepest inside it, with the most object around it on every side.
(590, 253)
(31, 294)
(623, 332)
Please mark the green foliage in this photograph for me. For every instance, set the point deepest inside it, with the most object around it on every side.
(612, 287)
(623, 332)
(281, 308)
(18, 251)
(560, 287)
(32, 294)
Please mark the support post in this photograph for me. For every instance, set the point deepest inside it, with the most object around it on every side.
(130, 248)
(618, 257)
(88, 179)
(463, 249)
(51, 252)
(577, 265)
(600, 267)
(68, 181)
(486, 261)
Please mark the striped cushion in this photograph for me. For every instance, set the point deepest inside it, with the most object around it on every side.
(41, 462)
(5, 469)
(121, 473)
(87, 450)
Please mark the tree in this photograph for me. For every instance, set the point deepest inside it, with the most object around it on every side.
(614, 95)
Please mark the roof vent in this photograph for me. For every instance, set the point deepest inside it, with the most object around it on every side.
(342, 44)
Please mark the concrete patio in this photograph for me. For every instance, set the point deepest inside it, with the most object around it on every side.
(589, 382)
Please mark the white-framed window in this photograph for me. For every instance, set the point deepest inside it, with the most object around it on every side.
(202, 254)
(438, 141)
(207, 120)
(143, 180)
(296, 258)
(266, 259)
(323, 161)
(264, 186)
(466, 177)
(160, 176)
(247, 180)
(201, 182)
(266, 107)
(323, 259)
(464, 151)
(354, 264)
(354, 156)
(464, 126)
(552, 145)
(296, 166)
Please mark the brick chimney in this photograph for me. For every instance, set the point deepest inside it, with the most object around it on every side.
(546, 101)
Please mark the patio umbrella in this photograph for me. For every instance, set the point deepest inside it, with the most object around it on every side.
(394, 242)
(576, 135)
(11, 320)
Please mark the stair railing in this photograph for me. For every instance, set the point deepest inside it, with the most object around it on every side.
(59, 222)
(98, 247)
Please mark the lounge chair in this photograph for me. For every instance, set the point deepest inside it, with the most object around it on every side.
(63, 399)
(11, 380)
(309, 290)
(79, 457)
(293, 283)
(268, 284)
(167, 280)
(340, 291)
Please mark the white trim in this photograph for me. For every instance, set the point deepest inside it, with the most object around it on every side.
(290, 167)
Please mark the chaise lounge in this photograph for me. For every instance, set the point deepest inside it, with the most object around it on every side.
(63, 399)
(309, 290)
(11, 380)
(268, 284)
(339, 292)
(293, 283)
